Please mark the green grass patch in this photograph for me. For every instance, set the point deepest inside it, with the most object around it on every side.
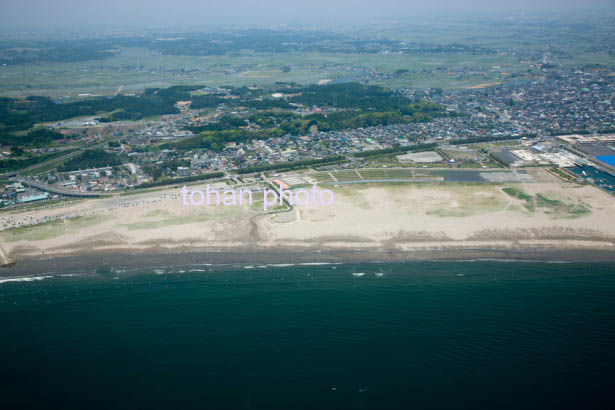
(543, 201)
(520, 194)
(517, 193)
(258, 206)
(560, 209)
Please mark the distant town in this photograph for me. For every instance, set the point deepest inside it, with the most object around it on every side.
(562, 119)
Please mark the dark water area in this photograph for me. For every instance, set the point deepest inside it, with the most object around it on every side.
(407, 335)
(595, 176)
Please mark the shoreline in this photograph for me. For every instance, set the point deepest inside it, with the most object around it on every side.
(87, 262)
(554, 221)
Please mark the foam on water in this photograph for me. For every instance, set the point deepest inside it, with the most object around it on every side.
(319, 263)
(24, 279)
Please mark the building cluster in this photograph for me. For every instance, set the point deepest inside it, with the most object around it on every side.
(170, 128)
(104, 179)
(535, 156)
(95, 179)
(16, 193)
(558, 102)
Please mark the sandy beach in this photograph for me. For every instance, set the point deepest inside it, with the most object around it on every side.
(547, 219)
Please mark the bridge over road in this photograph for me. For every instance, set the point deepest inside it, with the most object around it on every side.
(57, 190)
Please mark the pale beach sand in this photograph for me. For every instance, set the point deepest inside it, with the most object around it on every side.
(393, 218)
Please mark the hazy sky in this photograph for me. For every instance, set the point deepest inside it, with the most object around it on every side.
(62, 13)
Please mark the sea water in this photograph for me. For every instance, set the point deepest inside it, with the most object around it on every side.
(409, 335)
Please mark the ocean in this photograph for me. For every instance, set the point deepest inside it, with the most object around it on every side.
(420, 335)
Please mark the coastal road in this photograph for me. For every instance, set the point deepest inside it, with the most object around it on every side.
(57, 190)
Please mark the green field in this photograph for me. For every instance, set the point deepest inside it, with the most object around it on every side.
(518, 42)
(105, 77)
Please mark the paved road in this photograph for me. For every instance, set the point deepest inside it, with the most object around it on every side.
(42, 164)
(56, 190)
(59, 159)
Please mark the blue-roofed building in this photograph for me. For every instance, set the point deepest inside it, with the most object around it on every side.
(33, 198)
(607, 159)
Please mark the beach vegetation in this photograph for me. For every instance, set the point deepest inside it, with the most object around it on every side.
(558, 208)
(518, 193)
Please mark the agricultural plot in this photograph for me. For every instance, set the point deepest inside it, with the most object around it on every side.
(463, 155)
(294, 180)
(320, 177)
(367, 175)
(346, 175)
(400, 173)
(383, 173)
(372, 173)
